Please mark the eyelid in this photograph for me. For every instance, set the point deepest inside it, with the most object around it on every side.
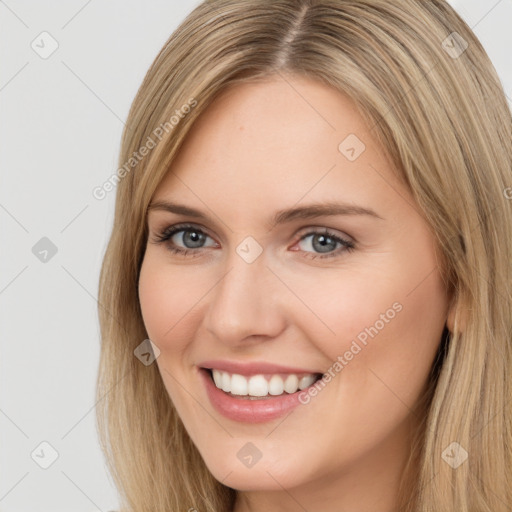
(347, 243)
(180, 226)
(300, 233)
(320, 229)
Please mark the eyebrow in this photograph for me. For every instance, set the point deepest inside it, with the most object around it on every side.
(282, 216)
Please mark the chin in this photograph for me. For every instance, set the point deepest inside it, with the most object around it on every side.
(272, 472)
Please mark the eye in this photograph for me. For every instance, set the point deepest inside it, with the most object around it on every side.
(324, 244)
(187, 240)
(183, 239)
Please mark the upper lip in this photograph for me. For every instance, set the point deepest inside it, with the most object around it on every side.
(252, 368)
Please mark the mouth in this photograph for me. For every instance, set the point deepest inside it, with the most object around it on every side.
(255, 404)
(260, 386)
(255, 391)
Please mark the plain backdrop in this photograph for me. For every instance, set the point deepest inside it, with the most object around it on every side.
(61, 122)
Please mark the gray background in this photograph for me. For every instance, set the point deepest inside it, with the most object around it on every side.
(61, 122)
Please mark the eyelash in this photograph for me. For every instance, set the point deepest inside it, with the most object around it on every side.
(166, 234)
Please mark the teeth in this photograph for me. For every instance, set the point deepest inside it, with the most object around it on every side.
(217, 378)
(291, 384)
(259, 386)
(239, 385)
(306, 381)
(226, 382)
(275, 385)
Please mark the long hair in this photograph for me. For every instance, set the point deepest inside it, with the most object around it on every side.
(430, 95)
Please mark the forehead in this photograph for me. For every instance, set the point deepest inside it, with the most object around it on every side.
(275, 143)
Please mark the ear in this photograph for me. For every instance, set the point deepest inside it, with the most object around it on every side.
(454, 308)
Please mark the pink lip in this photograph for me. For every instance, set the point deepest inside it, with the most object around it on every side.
(253, 368)
(246, 410)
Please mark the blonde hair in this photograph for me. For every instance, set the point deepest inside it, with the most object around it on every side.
(441, 115)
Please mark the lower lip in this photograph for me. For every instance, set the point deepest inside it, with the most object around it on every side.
(246, 410)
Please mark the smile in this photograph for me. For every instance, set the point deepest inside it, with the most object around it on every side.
(262, 385)
(254, 393)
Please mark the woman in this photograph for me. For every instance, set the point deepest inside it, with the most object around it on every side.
(313, 229)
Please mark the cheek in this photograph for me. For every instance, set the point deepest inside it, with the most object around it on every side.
(168, 299)
(404, 355)
(342, 305)
(388, 318)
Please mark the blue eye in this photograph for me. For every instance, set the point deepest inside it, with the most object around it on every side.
(190, 237)
(325, 244)
(184, 239)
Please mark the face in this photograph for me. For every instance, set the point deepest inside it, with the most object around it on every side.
(282, 243)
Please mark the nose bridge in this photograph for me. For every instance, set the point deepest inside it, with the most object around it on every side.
(244, 302)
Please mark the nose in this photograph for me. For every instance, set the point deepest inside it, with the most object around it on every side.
(246, 303)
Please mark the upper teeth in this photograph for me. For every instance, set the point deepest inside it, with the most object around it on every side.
(258, 385)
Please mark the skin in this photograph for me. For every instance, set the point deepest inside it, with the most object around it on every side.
(260, 148)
